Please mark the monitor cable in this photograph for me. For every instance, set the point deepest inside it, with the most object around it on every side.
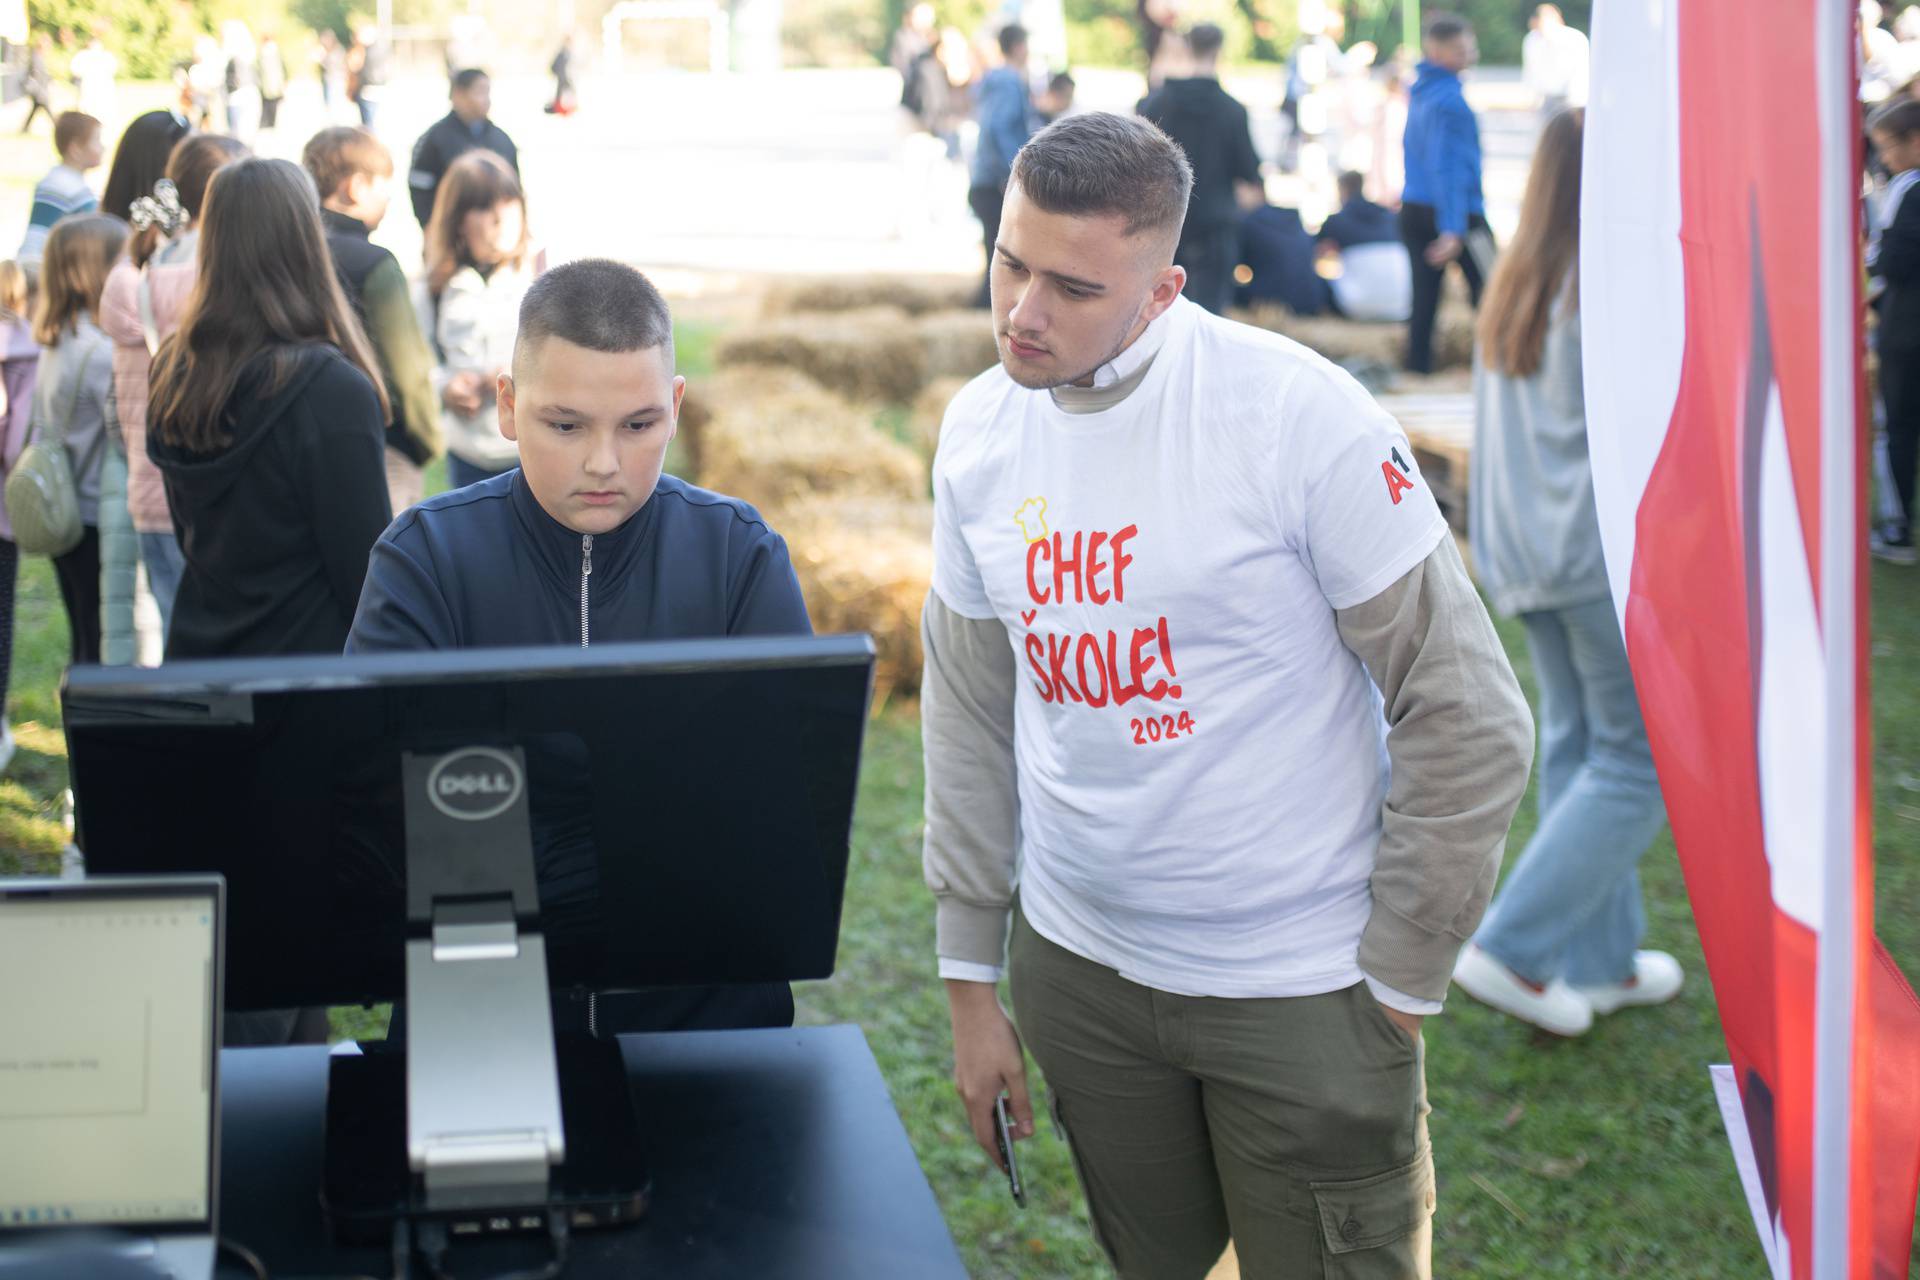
(247, 1257)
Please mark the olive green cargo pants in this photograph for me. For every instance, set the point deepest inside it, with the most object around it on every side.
(1296, 1126)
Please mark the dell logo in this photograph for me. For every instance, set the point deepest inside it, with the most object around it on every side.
(475, 784)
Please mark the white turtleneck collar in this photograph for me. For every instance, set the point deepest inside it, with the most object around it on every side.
(1116, 379)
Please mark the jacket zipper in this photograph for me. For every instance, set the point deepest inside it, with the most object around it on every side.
(586, 571)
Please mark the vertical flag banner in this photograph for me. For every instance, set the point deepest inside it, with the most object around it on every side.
(1722, 342)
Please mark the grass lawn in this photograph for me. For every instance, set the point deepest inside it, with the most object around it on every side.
(1601, 1157)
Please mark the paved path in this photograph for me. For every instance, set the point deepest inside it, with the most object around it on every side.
(709, 179)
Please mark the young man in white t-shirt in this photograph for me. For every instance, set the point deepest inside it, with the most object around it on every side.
(1191, 599)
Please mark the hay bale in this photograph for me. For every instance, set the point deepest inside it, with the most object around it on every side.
(780, 449)
(726, 391)
(959, 343)
(1453, 334)
(1342, 341)
(916, 295)
(928, 410)
(865, 565)
(862, 355)
(1336, 339)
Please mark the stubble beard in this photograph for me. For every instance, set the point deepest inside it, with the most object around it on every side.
(1047, 382)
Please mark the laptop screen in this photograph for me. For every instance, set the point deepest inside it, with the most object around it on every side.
(107, 1055)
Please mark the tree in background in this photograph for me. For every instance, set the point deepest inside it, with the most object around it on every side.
(338, 16)
(149, 36)
(146, 35)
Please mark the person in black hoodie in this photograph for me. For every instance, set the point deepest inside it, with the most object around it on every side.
(587, 542)
(267, 421)
(1212, 129)
(354, 173)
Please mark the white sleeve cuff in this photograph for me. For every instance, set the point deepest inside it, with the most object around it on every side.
(968, 971)
(1385, 994)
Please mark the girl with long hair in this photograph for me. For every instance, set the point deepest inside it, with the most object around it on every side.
(140, 160)
(72, 393)
(480, 263)
(1560, 942)
(266, 419)
(145, 296)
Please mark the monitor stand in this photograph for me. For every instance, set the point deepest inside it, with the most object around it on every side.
(482, 1120)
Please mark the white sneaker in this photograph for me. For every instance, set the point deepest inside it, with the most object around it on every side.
(1557, 1007)
(1656, 979)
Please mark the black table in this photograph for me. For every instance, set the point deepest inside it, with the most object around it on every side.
(774, 1153)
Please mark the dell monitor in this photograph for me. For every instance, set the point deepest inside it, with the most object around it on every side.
(469, 830)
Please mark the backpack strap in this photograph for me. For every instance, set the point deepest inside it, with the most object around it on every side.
(54, 431)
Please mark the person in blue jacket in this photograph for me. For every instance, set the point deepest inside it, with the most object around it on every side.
(1442, 212)
(588, 542)
(1004, 107)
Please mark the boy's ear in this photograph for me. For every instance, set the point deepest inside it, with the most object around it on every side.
(503, 400)
(679, 394)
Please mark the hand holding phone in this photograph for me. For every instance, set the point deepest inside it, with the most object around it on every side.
(1003, 1135)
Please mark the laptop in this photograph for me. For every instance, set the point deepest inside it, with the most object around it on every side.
(109, 1073)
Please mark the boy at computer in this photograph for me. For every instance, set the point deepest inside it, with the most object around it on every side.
(588, 542)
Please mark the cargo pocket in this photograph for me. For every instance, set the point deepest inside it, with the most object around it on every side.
(1379, 1228)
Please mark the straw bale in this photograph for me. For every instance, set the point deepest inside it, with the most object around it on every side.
(929, 408)
(1453, 336)
(873, 354)
(866, 565)
(1342, 340)
(726, 390)
(781, 448)
(1334, 338)
(959, 343)
(916, 295)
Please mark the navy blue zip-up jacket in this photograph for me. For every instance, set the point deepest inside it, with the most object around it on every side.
(1443, 150)
(486, 566)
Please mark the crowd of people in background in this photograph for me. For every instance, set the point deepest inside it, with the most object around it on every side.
(1404, 138)
(243, 387)
(1400, 142)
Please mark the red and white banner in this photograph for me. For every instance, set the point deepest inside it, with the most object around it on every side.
(1722, 329)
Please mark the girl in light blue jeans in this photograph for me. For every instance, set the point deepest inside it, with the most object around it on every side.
(1560, 942)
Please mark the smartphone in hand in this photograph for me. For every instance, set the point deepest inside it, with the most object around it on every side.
(1003, 1136)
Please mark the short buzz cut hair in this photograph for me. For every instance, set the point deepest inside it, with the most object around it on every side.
(465, 79)
(1012, 36)
(1206, 40)
(598, 304)
(332, 156)
(1447, 26)
(1100, 164)
(71, 128)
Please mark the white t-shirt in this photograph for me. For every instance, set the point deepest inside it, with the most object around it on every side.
(1201, 761)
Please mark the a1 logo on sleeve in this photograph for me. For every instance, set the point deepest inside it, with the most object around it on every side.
(1399, 476)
